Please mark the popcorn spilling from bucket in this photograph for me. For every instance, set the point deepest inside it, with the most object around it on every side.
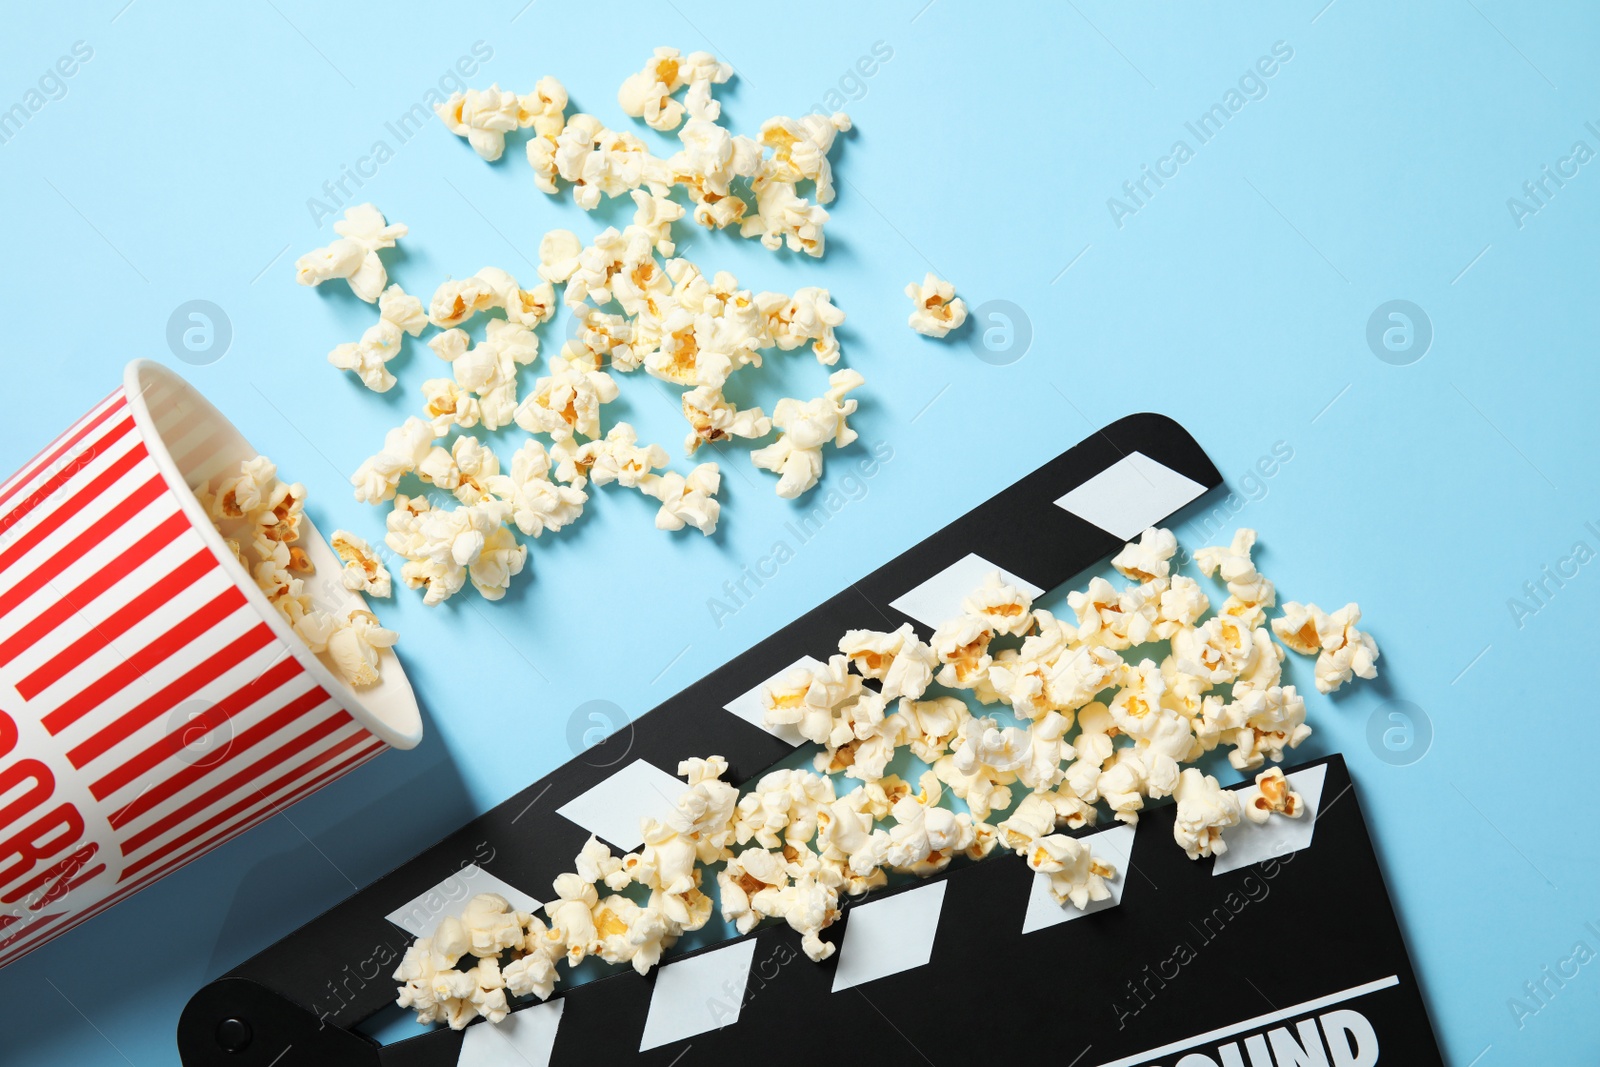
(259, 517)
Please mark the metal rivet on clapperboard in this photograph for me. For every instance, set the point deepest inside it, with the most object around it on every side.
(233, 1035)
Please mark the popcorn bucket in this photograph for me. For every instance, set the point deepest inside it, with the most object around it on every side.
(153, 703)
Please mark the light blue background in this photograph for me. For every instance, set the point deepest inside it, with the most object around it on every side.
(1378, 166)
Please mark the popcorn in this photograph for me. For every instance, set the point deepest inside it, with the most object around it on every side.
(1233, 566)
(686, 501)
(711, 158)
(558, 255)
(783, 217)
(1002, 607)
(928, 727)
(1217, 651)
(448, 406)
(489, 368)
(432, 987)
(962, 646)
(800, 149)
(457, 300)
(900, 660)
(809, 906)
(465, 469)
(537, 503)
(809, 699)
(1342, 650)
(648, 94)
(1075, 875)
(796, 456)
(354, 256)
(1149, 558)
(791, 845)
(1098, 611)
(1262, 723)
(259, 519)
(982, 764)
(404, 447)
(597, 161)
(1270, 795)
(655, 214)
(363, 571)
(617, 458)
(938, 310)
(712, 418)
(534, 972)
(544, 110)
(444, 548)
(525, 307)
(1180, 607)
(1205, 809)
(783, 808)
(483, 117)
(397, 314)
(809, 315)
(491, 925)
(567, 401)
(926, 837)
(572, 915)
(1264, 668)
(749, 886)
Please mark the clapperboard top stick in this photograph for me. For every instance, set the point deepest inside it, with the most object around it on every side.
(911, 954)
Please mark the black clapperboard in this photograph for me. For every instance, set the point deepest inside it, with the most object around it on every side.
(1285, 951)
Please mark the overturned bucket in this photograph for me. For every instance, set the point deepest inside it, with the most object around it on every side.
(153, 703)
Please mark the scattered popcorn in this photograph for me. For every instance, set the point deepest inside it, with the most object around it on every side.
(1075, 875)
(783, 217)
(686, 501)
(796, 456)
(1342, 651)
(1149, 558)
(363, 571)
(938, 309)
(681, 325)
(558, 255)
(712, 418)
(1002, 607)
(1271, 795)
(1205, 809)
(809, 315)
(617, 458)
(488, 369)
(900, 660)
(465, 469)
(444, 548)
(398, 313)
(483, 117)
(260, 517)
(537, 503)
(793, 843)
(567, 401)
(354, 256)
(1247, 589)
(800, 149)
(404, 448)
(649, 93)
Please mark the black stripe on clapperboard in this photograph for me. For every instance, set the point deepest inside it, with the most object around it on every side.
(1045, 529)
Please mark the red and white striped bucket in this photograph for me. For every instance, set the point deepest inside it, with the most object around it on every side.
(153, 704)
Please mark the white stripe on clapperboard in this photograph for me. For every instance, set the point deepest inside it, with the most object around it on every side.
(1260, 1020)
(1133, 493)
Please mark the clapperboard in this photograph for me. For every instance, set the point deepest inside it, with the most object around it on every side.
(1283, 951)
